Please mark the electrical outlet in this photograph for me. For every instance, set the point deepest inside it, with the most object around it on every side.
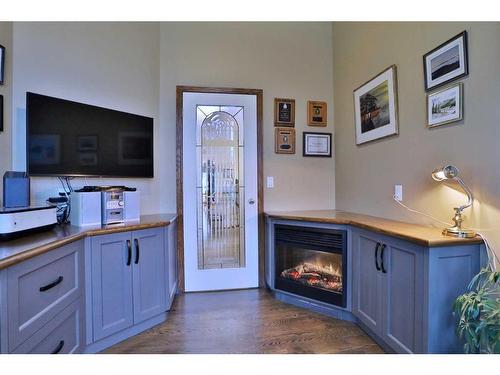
(270, 182)
(398, 192)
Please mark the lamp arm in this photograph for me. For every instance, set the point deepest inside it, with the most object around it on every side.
(470, 198)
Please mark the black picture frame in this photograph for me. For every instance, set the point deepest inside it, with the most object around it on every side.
(2, 64)
(309, 153)
(1, 113)
(462, 70)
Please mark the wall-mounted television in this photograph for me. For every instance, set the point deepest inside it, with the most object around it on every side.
(66, 138)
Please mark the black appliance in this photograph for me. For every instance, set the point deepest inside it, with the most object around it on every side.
(66, 138)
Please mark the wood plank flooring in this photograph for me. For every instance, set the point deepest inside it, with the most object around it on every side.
(246, 321)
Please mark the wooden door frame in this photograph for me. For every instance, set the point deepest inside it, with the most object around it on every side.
(180, 90)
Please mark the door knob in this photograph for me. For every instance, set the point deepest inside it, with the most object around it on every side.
(251, 201)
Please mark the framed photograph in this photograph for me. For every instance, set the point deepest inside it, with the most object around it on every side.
(445, 106)
(284, 141)
(87, 142)
(376, 107)
(317, 144)
(1, 113)
(316, 113)
(2, 63)
(447, 62)
(284, 112)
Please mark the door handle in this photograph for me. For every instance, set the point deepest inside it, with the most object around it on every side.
(129, 250)
(376, 256)
(137, 251)
(58, 347)
(52, 284)
(382, 259)
(251, 201)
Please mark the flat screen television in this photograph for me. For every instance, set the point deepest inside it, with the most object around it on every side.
(66, 138)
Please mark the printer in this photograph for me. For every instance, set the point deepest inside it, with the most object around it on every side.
(17, 217)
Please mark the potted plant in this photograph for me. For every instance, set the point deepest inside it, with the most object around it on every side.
(478, 313)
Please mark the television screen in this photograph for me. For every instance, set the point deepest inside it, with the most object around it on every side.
(66, 138)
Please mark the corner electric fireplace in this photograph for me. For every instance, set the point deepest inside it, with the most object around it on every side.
(311, 262)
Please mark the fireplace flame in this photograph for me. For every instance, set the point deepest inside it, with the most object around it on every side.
(322, 276)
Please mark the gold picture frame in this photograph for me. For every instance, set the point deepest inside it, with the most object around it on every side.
(317, 113)
(284, 141)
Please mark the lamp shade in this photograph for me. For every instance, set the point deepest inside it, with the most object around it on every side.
(445, 173)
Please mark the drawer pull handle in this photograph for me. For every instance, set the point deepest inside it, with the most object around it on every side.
(52, 284)
(129, 249)
(376, 256)
(59, 347)
(382, 259)
(137, 254)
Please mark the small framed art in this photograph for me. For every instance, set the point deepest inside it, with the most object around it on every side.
(376, 107)
(447, 62)
(317, 144)
(2, 63)
(284, 141)
(445, 106)
(284, 112)
(316, 113)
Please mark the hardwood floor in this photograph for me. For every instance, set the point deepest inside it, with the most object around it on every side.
(246, 321)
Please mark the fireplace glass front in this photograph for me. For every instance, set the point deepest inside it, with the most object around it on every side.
(311, 262)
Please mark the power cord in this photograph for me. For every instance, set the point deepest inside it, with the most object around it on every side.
(492, 256)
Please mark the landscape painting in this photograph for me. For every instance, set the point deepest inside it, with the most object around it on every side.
(445, 106)
(375, 106)
(447, 62)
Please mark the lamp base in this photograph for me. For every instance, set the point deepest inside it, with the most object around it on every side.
(459, 232)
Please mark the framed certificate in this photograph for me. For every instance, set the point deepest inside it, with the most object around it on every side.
(317, 144)
(316, 113)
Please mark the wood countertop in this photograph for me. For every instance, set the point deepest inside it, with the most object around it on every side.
(31, 245)
(420, 234)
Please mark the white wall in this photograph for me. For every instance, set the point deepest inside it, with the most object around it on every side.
(285, 60)
(114, 65)
(135, 67)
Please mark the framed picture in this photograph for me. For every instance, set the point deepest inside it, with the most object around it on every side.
(1, 113)
(445, 106)
(284, 112)
(2, 63)
(284, 141)
(447, 62)
(316, 113)
(317, 144)
(376, 107)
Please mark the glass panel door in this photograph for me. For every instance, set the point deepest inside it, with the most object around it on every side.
(220, 187)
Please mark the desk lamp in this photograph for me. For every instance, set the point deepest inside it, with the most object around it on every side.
(449, 172)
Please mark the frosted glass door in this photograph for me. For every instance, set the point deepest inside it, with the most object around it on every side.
(220, 191)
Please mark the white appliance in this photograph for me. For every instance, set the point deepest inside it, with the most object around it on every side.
(17, 221)
(85, 208)
(132, 206)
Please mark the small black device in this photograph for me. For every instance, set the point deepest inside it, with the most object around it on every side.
(16, 189)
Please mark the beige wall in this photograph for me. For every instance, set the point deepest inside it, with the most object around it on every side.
(135, 67)
(113, 65)
(285, 60)
(6, 91)
(366, 175)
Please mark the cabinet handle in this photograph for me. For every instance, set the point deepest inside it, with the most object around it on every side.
(137, 251)
(129, 249)
(58, 348)
(376, 256)
(382, 259)
(52, 284)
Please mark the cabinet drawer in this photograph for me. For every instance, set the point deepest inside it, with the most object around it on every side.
(40, 288)
(62, 335)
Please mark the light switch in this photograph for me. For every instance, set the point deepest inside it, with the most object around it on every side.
(270, 182)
